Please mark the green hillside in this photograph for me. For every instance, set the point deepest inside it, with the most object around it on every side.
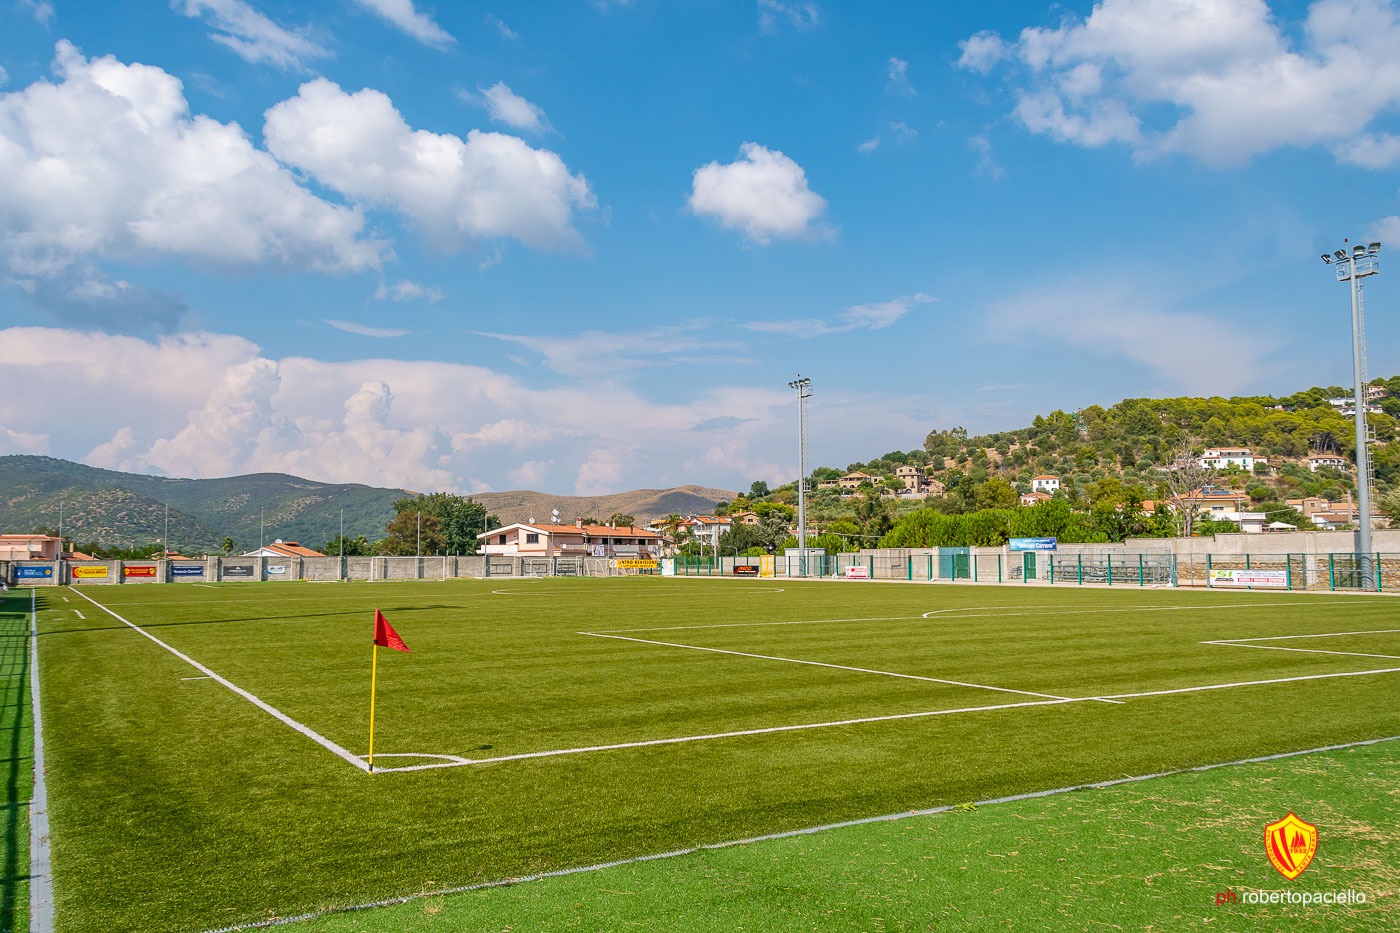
(129, 510)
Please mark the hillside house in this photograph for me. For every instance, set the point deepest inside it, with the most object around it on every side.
(853, 480)
(280, 548)
(1045, 483)
(1220, 458)
(524, 539)
(30, 547)
(1034, 498)
(1318, 461)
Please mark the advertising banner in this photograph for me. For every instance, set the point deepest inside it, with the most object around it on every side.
(138, 571)
(238, 570)
(857, 572)
(636, 563)
(90, 573)
(745, 570)
(668, 567)
(187, 570)
(1273, 578)
(1033, 544)
(277, 569)
(33, 573)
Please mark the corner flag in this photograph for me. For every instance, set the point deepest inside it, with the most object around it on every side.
(384, 634)
(384, 637)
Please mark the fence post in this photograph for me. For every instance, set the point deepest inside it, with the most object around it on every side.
(1288, 571)
(1081, 569)
(1139, 571)
(1110, 569)
(1332, 572)
(1378, 571)
(1052, 569)
(1207, 571)
(998, 568)
(974, 566)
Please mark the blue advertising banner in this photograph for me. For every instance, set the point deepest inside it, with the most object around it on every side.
(33, 573)
(1033, 544)
(187, 570)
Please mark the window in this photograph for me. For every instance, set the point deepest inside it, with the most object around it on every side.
(501, 539)
(532, 538)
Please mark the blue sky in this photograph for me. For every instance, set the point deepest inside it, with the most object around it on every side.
(583, 246)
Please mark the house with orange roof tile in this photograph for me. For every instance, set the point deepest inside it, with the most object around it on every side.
(280, 548)
(538, 539)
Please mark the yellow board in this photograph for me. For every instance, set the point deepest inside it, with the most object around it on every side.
(89, 572)
(635, 563)
(767, 565)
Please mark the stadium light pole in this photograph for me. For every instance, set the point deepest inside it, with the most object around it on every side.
(804, 392)
(1352, 267)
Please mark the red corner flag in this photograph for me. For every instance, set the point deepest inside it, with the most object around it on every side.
(384, 634)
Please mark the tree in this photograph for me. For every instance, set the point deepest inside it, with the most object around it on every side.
(1184, 479)
(996, 493)
(353, 547)
(448, 524)
(759, 490)
(227, 546)
(622, 520)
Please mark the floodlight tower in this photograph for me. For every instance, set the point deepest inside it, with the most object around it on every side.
(1353, 267)
(804, 392)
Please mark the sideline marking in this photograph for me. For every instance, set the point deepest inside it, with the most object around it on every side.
(839, 667)
(79, 614)
(265, 707)
(40, 865)
(729, 735)
(789, 834)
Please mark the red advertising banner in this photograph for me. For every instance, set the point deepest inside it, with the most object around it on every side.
(138, 571)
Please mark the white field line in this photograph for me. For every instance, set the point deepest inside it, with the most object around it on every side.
(1228, 641)
(1350, 654)
(40, 862)
(788, 834)
(265, 707)
(839, 667)
(79, 614)
(1246, 683)
(977, 612)
(729, 735)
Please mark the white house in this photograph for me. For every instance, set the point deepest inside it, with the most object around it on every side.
(1218, 458)
(524, 539)
(1318, 461)
(1045, 483)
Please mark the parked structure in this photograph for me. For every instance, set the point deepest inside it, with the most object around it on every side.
(577, 540)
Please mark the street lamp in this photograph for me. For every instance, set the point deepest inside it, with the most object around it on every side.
(1362, 261)
(803, 386)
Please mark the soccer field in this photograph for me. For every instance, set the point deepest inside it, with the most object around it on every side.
(206, 743)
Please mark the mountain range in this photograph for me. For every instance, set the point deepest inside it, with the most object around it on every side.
(116, 509)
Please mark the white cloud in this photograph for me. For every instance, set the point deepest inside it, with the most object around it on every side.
(898, 78)
(1377, 151)
(1222, 82)
(41, 10)
(986, 165)
(252, 36)
(488, 185)
(502, 29)
(531, 473)
(875, 316)
(799, 14)
(604, 355)
(763, 193)
(869, 146)
(108, 163)
(364, 330)
(417, 24)
(982, 52)
(903, 133)
(404, 290)
(505, 106)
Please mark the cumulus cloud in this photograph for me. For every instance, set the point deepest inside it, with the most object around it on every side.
(418, 424)
(762, 193)
(876, 316)
(505, 106)
(108, 163)
(251, 35)
(1222, 82)
(487, 185)
(417, 24)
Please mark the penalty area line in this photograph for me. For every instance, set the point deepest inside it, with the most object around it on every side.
(787, 834)
(260, 704)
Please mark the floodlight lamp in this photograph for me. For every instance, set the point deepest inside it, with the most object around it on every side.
(1373, 249)
(1358, 251)
(1327, 258)
(1340, 254)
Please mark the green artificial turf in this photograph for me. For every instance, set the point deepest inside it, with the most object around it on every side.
(16, 758)
(178, 805)
(1168, 853)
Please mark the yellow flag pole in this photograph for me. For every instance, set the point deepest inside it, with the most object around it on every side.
(373, 670)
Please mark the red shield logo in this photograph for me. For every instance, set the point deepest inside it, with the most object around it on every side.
(1291, 844)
